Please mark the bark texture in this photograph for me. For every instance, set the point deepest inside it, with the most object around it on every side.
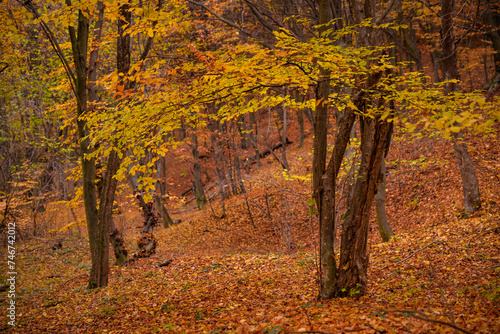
(352, 276)
(97, 230)
(323, 186)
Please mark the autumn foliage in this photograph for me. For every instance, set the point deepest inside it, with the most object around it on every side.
(224, 167)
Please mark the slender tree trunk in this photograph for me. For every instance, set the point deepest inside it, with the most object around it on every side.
(201, 199)
(384, 227)
(324, 187)
(243, 131)
(167, 220)
(435, 66)
(253, 135)
(159, 197)
(383, 224)
(284, 137)
(237, 166)
(472, 197)
(231, 175)
(97, 231)
(300, 119)
(106, 224)
(219, 162)
(492, 18)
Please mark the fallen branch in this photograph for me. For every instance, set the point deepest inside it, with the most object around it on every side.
(71, 279)
(422, 316)
(452, 318)
(409, 256)
(165, 264)
(319, 332)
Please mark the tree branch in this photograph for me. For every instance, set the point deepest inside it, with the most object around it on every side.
(231, 24)
(53, 41)
(5, 66)
(259, 16)
(384, 14)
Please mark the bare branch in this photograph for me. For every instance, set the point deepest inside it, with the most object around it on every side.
(412, 254)
(231, 24)
(259, 17)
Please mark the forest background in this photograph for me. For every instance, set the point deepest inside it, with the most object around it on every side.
(328, 166)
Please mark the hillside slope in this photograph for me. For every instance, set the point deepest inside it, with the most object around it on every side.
(254, 270)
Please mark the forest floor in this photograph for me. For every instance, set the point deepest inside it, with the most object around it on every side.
(251, 273)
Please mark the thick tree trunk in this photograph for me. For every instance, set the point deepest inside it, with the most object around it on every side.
(470, 185)
(147, 242)
(353, 266)
(472, 197)
(327, 214)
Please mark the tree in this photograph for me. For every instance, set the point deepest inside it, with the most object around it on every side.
(492, 20)
(472, 198)
(83, 83)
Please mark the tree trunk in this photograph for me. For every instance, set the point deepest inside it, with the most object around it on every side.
(326, 194)
(352, 274)
(97, 230)
(219, 161)
(383, 225)
(253, 135)
(492, 18)
(472, 197)
(159, 197)
(243, 131)
(470, 185)
(118, 244)
(201, 199)
(106, 211)
(167, 220)
(324, 186)
(300, 119)
(237, 166)
(283, 138)
(147, 242)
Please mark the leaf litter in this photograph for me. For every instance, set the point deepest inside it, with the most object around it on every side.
(439, 274)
